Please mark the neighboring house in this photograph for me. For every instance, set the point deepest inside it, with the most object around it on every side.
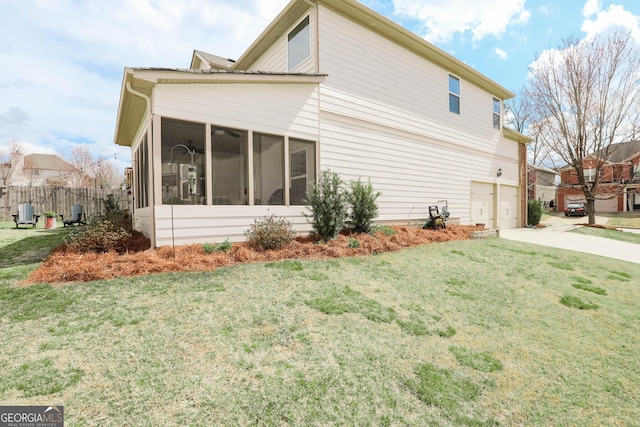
(619, 180)
(330, 84)
(42, 169)
(542, 186)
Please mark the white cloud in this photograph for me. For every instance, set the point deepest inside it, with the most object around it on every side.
(444, 18)
(591, 7)
(501, 53)
(614, 16)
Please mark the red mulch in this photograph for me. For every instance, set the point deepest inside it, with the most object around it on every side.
(64, 265)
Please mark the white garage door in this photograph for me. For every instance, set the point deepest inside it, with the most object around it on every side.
(508, 206)
(482, 196)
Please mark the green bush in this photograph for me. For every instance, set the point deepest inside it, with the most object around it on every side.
(270, 232)
(210, 248)
(363, 206)
(534, 212)
(328, 203)
(99, 235)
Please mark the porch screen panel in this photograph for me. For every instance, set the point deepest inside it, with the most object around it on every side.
(268, 169)
(229, 148)
(183, 162)
(141, 162)
(302, 169)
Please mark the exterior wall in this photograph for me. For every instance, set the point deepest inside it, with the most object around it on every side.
(388, 108)
(142, 221)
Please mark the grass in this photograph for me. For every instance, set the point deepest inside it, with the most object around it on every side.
(451, 334)
(609, 234)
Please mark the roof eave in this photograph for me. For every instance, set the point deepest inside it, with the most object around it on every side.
(516, 136)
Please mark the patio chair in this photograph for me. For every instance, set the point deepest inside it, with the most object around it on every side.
(25, 215)
(77, 216)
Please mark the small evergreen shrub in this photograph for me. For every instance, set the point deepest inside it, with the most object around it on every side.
(270, 232)
(363, 206)
(329, 205)
(353, 243)
(534, 212)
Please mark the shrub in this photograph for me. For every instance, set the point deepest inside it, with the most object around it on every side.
(363, 206)
(353, 243)
(210, 248)
(328, 203)
(99, 235)
(534, 212)
(384, 229)
(114, 214)
(270, 232)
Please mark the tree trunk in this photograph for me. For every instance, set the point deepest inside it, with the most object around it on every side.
(591, 210)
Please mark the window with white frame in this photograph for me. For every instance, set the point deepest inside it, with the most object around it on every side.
(497, 116)
(299, 44)
(454, 94)
(590, 175)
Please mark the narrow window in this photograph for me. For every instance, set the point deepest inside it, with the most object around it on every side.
(496, 113)
(454, 94)
(299, 44)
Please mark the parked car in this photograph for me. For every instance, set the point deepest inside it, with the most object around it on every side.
(575, 209)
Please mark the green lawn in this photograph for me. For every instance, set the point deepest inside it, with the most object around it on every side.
(623, 236)
(470, 333)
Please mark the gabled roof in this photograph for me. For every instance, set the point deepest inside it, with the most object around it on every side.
(47, 162)
(211, 61)
(541, 168)
(623, 152)
(378, 24)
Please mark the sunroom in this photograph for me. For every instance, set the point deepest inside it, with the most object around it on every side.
(214, 150)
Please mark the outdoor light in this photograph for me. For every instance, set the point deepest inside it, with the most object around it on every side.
(499, 174)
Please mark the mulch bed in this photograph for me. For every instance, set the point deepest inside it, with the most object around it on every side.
(65, 265)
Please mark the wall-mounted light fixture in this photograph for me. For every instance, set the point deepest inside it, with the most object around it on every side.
(499, 174)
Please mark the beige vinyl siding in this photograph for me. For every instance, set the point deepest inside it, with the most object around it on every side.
(402, 136)
(368, 79)
(202, 224)
(410, 171)
(142, 221)
(270, 108)
(275, 58)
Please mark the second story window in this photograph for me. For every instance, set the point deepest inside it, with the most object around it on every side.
(496, 113)
(299, 44)
(454, 94)
(590, 175)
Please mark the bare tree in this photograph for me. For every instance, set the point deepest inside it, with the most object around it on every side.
(582, 94)
(84, 168)
(107, 175)
(10, 161)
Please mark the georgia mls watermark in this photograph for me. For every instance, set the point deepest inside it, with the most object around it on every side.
(31, 416)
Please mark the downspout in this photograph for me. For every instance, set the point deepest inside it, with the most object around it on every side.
(147, 113)
(314, 6)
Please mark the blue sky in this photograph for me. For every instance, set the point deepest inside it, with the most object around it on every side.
(62, 60)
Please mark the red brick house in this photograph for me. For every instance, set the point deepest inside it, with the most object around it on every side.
(619, 180)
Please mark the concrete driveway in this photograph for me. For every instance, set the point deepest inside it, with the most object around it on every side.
(556, 234)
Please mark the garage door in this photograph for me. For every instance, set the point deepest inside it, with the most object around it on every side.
(508, 206)
(602, 205)
(482, 196)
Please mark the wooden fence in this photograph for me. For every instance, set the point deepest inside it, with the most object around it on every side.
(58, 199)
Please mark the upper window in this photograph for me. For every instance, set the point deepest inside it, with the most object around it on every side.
(496, 113)
(299, 44)
(590, 175)
(454, 94)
